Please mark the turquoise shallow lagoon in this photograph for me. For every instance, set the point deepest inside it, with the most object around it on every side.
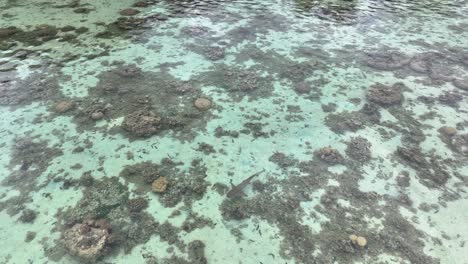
(246, 131)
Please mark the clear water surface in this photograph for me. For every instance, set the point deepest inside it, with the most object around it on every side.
(129, 131)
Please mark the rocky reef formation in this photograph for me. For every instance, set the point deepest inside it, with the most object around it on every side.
(451, 98)
(460, 143)
(28, 216)
(167, 181)
(329, 155)
(432, 172)
(239, 83)
(303, 87)
(439, 67)
(386, 95)
(461, 83)
(386, 60)
(128, 71)
(142, 123)
(345, 121)
(342, 239)
(64, 106)
(186, 188)
(36, 36)
(359, 149)
(155, 102)
(105, 219)
(88, 241)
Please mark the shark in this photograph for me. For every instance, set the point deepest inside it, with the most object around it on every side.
(236, 190)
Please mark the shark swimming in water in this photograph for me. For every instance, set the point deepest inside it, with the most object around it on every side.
(236, 190)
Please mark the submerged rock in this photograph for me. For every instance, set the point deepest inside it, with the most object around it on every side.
(182, 88)
(345, 121)
(202, 104)
(237, 209)
(129, 23)
(464, 59)
(83, 10)
(196, 252)
(8, 32)
(87, 240)
(129, 12)
(329, 155)
(422, 63)
(137, 205)
(358, 240)
(159, 185)
(359, 149)
(215, 53)
(30, 235)
(432, 172)
(123, 222)
(412, 155)
(238, 80)
(142, 4)
(142, 123)
(303, 87)
(448, 131)
(438, 66)
(450, 98)
(461, 84)
(460, 143)
(64, 106)
(97, 115)
(386, 95)
(387, 61)
(129, 71)
(28, 216)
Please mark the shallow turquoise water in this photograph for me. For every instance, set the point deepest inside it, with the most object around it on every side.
(129, 131)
